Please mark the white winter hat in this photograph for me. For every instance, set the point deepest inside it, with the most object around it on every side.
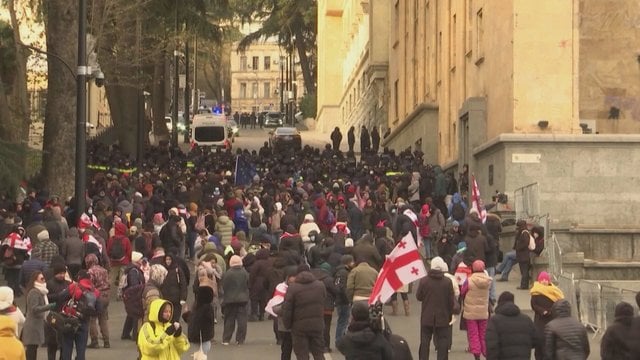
(6, 297)
(308, 217)
(348, 242)
(43, 235)
(136, 256)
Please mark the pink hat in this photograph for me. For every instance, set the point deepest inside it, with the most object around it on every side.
(544, 276)
(477, 266)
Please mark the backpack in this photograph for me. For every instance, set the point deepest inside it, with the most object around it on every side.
(85, 307)
(256, 220)
(423, 226)
(331, 218)
(132, 298)
(200, 223)
(457, 211)
(117, 249)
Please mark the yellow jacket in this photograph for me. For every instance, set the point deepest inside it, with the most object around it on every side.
(12, 348)
(153, 341)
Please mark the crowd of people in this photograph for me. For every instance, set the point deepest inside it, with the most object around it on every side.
(301, 245)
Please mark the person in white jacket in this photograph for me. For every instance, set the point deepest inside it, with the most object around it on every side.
(437, 263)
(307, 226)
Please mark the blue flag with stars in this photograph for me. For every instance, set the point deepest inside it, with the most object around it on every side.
(245, 171)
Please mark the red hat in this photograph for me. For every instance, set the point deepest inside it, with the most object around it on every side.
(477, 266)
(425, 209)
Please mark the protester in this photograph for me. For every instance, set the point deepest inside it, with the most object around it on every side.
(475, 291)
(37, 308)
(521, 246)
(564, 336)
(362, 341)
(342, 301)
(235, 284)
(200, 318)
(100, 281)
(543, 295)
(11, 347)
(159, 338)
(9, 309)
(435, 292)
(617, 341)
(360, 281)
(303, 313)
(510, 333)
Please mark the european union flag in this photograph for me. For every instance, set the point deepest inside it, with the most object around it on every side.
(245, 171)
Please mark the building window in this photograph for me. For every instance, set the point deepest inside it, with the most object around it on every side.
(255, 63)
(479, 36)
(454, 41)
(243, 90)
(267, 90)
(267, 62)
(243, 63)
(254, 90)
(395, 99)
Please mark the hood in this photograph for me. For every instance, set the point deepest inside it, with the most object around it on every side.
(320, 202)
(508, 309)
(561, 308)
(155, 308)
(435, 274)
(624, 312)
(7, 327)
(224, 219)
(364, 336)
(319, 274)
(262, 254)
(480, 280)
(120, 229)
(125, 206)
(204, 295)
(456, 198)
(437, 170)
(305, 277)
(173, 262)
(437, 263)
(90, 260)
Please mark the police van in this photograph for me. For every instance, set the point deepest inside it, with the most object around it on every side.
(210, 130)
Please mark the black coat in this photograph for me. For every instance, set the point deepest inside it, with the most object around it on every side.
(362, 343)
(201, 317)
(510, 334)
(303, 307)
(619, 340)
(436, 294)
(565, 338)
(340, 281)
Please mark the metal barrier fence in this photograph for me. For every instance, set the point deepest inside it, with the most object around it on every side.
(590, 304)
(554, 256)
(527, 201)
(567, 284)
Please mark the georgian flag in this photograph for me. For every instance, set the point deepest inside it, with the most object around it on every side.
(475, 200)
(278, 298)
(401, 267)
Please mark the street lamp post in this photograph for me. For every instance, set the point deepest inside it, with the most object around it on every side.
(176, 80)
(81, 114)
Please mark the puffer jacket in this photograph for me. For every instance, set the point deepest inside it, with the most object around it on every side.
(225, 227)
(510, 334)
(154, 342)
(476, 301)
(303, 307)
(362, 343)
(329, 285)
(11, 348)
(565, 337)
(618, 341)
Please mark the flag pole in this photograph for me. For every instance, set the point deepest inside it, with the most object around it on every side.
(235, 173)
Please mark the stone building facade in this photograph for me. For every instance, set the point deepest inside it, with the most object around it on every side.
(352, 64)
(527, 92)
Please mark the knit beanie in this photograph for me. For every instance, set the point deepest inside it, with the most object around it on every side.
(58, 268)
(544, 276)
(235, 261)
(506, 297)
(477, 266)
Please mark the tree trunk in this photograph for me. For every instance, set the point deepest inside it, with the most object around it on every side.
(60, 114)
(20, 108)
(123, 103)
(309, 83)
(160, 130)
(5, 114)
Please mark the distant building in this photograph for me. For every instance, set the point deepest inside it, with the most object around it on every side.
(353, 56)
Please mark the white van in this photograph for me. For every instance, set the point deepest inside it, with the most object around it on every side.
(210, 130)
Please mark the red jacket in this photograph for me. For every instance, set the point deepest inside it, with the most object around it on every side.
(120, 235)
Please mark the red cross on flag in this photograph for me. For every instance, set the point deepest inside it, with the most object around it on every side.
(401, 267)
(476, 200)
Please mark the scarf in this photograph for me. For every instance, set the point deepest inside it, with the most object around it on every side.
(550, 291)
(42, 288)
